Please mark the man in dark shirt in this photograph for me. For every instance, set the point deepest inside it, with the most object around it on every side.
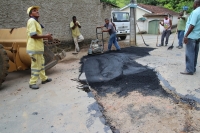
(111, 30)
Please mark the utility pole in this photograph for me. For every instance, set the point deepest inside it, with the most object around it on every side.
(133, 6)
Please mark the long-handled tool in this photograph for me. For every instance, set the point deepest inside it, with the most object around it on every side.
(172, 46)
(158, 35)
(141, 35)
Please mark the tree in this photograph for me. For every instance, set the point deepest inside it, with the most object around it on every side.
(148, 2)
(109, 1)
(122, 3)
(175, 5)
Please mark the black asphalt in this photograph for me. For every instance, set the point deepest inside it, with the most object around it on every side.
(118, 72)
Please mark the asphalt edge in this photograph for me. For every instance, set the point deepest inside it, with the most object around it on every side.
(96, 106)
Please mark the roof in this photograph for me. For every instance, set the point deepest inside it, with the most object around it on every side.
(153, 10)
(158, 10)
(137, 7)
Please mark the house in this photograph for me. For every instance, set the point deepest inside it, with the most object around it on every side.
(149, 16)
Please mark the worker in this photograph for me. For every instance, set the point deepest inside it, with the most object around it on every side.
(75, 25)
(191, 39)
(113, 23)
(35, 48)
(111, 30)
(167, 24)
(114, 27)
(181, 29)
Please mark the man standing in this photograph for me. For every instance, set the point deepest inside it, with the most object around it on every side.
(35, 47)
(75, 25)
(191, 39)
(111, 30)
(167, 24)
(181, 29)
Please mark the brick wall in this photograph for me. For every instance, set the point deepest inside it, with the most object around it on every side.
(56, 15)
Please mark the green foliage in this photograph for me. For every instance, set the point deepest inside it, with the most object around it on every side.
(109, 1)
(148, 2)
(175, 5)
(122, 3)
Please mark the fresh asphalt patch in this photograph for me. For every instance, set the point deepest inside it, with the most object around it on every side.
(118, 72)
(131, 95)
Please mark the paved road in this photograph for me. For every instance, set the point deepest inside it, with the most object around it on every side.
(169, 64)
(60, 107)
(57, 107)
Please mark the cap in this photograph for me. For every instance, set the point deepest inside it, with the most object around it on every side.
(30, 8)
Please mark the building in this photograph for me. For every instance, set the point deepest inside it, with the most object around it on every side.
(149, 16)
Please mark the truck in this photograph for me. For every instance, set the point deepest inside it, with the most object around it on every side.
(122, 22)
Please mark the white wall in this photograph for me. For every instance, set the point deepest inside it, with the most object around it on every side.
(139, 14)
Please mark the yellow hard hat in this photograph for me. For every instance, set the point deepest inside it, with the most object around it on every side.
(30, 8)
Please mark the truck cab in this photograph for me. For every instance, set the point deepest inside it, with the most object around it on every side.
(122, 22)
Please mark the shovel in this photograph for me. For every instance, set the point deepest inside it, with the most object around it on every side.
(158, 35)
(172, 46)
(141, 35)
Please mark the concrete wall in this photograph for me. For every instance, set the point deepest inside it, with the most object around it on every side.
(56, 15)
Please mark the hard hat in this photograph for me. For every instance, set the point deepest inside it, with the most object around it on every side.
(30, 8)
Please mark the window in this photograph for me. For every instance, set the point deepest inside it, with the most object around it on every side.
(120, 16)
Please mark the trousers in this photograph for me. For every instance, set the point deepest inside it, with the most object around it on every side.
(180, 37)
(166, 33)
(113, 40)
(37, 69)
(192, 49)
(77, 40)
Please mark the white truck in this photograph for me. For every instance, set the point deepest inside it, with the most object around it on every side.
(122, 22)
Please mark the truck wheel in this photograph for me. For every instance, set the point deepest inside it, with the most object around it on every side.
(3, 64)
(122, 37)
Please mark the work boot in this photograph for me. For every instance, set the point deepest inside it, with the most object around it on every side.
(160, 45)
(46, 81)
(34, 86)
(118, 50)
(180, 47)
(186, 73)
